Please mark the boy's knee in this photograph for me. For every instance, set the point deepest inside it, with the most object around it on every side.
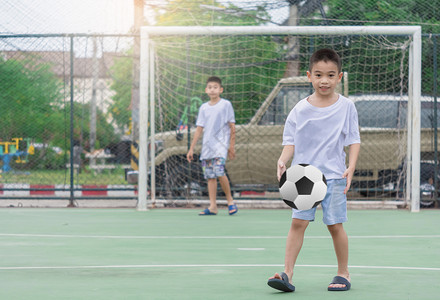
(298, 224)
(335, 228)
(223, 179)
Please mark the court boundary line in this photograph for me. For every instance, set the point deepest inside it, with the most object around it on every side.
(206, 237)
(17, 268)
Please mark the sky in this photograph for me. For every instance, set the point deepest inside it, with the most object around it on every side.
(66, 16)
(77, 16)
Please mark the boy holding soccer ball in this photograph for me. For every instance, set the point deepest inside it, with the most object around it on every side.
(216, 121)
(316, 132)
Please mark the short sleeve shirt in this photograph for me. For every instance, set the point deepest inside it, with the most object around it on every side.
(320, 134)
(215, 121)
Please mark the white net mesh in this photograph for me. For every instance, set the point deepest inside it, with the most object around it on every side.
(252, 68)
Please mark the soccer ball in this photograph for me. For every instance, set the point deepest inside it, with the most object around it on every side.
(303, 186)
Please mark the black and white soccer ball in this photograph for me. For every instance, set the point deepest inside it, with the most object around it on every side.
(303, 186)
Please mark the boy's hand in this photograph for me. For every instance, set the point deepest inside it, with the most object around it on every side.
(281, 168)
(349, 175)
(189, 155)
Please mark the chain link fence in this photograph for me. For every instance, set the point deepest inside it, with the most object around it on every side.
(65, 115)
(68, 123)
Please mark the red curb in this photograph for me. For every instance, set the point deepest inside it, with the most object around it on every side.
(42, 189)
(96, 192)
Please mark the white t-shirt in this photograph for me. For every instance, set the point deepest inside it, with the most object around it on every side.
(215, 121)
(321, 133)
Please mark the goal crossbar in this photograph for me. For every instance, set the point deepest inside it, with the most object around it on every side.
(147, 85)
(285, 30)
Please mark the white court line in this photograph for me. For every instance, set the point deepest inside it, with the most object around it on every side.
(210, 237)
(210, 266)
(251, 249)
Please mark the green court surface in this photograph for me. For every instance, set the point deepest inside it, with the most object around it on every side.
(176, 254)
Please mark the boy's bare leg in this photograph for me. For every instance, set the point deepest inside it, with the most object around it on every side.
(295, 240)
(224, 183)
(340, 242)
(212, 191)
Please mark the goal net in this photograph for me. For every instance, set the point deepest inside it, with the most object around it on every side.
(263, 71)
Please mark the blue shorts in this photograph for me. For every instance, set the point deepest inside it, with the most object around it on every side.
(213, 167)
(334, 205)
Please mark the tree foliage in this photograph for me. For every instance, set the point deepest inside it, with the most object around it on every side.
(184, 66)
(30, 102)
(247, 95)
(32, 106)
(209, 13)
(81, 131)
(389, 12)
(392, 12)
(186, 63)
(122, 75)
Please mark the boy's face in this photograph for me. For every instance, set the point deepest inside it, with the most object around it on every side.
(213, 89)
(324, 77)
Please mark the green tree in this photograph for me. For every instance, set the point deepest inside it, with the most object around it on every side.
(391, 12)
(32, 106)
(184, 67)
(122, 75)
(105, 132)
(186, 63)
(30, 102)
(209, 13)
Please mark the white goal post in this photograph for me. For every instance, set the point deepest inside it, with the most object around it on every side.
(147, 94)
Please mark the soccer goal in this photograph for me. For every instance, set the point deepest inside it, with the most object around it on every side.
(263, 71)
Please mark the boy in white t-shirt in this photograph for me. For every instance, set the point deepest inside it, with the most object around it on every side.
(216, 120)
(316, 132)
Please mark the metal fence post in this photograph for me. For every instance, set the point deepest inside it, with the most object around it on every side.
(71, 188)
(434, 56)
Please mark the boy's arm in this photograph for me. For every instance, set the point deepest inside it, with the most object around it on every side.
(189, 155)
(353, 153)
(287, 154)
(231, 150)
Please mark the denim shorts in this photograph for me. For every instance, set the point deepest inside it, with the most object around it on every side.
(334, 205)
(213, 167)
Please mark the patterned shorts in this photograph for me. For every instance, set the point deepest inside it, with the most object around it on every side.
(213, 167)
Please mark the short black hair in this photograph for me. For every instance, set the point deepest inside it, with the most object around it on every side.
(325, 55)
(214, 79)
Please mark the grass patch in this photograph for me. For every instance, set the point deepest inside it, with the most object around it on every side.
(115, 176)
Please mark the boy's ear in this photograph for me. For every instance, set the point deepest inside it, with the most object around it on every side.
(340, 76)
(309, 76)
